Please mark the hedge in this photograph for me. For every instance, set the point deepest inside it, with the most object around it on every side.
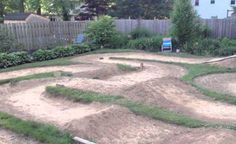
(13, 59)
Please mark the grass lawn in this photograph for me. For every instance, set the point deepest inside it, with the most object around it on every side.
(34, 76)
(39, 131)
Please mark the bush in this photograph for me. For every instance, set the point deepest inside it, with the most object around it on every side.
(13, 59)
(82, 48)
(63, 51)
(203, 47)
(185, 22)
(149, 44)
(42, 55)
(119, 41)
(226, 51)
(101, 32)
(140, 33)
(226, 42)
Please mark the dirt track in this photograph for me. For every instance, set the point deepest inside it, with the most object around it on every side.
(156, 84)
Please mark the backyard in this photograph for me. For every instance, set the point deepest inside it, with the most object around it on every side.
(109, 80)
(109, 98)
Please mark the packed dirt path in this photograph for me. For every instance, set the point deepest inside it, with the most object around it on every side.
(106, 123)
(219, 82)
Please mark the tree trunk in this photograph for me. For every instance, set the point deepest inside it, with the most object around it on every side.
(1, 12)
(39, 10)
(22, 6)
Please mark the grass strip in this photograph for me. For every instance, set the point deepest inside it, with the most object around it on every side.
(138, 108)
(34, 76)
(41, 132)
(126, 68)
(197, 70)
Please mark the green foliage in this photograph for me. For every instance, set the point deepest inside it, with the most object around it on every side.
(214, 47)
(38, 131)
(146, 9)
(102, 32)
(149, 44)
(80, 95)
(13, 59)
(140, 33)
(118, 41)
(186, 25)
(42, 55)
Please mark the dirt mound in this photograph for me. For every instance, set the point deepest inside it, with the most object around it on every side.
(103, 73)
(179, 96)
(219, 82)
(118, 125)
(231, 63)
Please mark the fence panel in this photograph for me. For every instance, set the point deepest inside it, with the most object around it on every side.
(42, 35)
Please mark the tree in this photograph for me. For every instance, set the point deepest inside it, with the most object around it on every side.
(185, 22)
(93, 8)
(147, 9)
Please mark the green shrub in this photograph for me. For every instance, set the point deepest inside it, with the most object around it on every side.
(226, 42)
(13, 59)
(225, 51)
(101, 32)
(119, 41)
(149, 44)
(203, 47)
(82, 48)
(140, 33)
(42, 55)
(63, 51)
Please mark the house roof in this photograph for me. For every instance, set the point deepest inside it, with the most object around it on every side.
(17, 16)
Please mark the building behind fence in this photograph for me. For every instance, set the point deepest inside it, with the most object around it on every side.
(42, 35)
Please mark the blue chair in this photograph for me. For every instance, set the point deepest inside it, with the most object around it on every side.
(166, 45)
(79, 39)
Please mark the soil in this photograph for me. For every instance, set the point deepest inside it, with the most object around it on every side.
(231, 63)
(219, 82)
(7, 137)
(156, 84)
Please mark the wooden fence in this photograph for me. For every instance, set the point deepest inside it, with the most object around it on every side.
(43, 35)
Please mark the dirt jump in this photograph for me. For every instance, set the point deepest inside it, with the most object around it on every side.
(156, 84)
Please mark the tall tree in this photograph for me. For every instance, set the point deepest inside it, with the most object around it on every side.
(93, 8)
(147, 9)
(22, 6)
(185, 22)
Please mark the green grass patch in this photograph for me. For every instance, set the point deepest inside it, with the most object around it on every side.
(100, 51)
(183, 55)
(38, 131)
(35, 76)
(56, 62)
(126, 68)
(80, 95)
(138, 108)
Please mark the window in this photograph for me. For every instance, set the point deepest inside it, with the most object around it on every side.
(212, 1)
(196, 2)
(232, 2)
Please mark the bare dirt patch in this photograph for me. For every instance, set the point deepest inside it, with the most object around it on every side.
(7, 137)
(225, 83)
(230, 63)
